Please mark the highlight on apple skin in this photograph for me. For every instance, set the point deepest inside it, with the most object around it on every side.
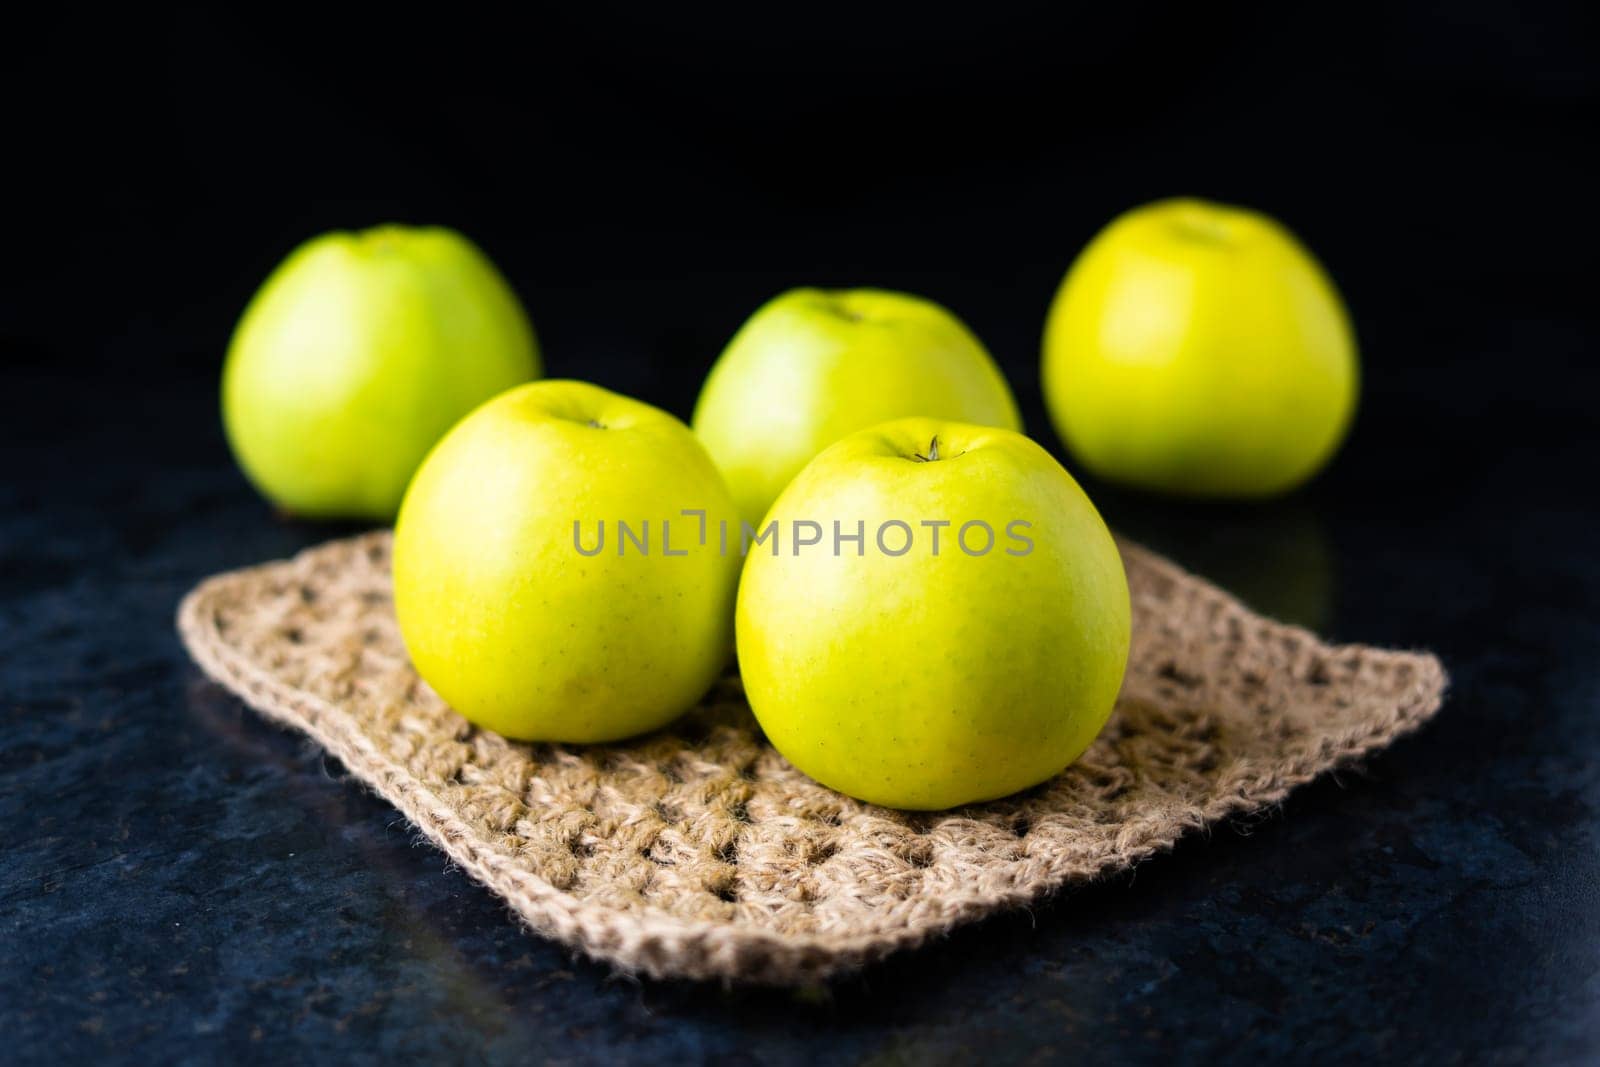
(519, 626)
(812, 365)
(952, 672)
(356, 355)
(1199, 349)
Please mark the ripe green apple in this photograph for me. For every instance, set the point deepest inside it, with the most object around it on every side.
(930, 665)
(521, 600)
(813, 365)
(357, 354)
(1199, 349)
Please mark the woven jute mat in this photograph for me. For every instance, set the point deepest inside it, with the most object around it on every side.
(699, 852)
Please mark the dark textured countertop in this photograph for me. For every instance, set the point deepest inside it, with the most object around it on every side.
(181, 880)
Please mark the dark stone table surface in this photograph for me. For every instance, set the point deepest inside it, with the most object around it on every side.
(180, 881)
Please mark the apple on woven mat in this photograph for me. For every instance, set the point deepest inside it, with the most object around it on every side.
(698, 851)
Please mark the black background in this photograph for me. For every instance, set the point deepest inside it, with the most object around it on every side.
(646, 178)
(180, 878)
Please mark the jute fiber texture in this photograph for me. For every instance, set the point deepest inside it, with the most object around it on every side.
(699, 852)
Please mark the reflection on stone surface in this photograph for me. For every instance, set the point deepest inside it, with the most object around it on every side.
(1274, 555)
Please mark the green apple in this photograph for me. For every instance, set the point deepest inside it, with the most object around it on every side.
(812, 365)
(521, 599)
(971, 642)
(1199, 349)
(357, 354)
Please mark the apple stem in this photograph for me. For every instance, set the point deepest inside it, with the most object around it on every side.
(933, 451)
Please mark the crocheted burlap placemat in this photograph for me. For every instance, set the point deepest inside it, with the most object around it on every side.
(698, 852)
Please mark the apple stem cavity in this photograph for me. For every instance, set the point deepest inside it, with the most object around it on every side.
(838, 306)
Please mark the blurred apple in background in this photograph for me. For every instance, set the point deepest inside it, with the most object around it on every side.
(513, 625)
(971, 642)
(812, 365)
(355, 357)
(1199, 349)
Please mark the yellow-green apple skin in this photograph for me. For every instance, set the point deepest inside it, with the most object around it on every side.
(513, 625)
(812, 365)
(355, 357)
(1200, 349)
(925, 680)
